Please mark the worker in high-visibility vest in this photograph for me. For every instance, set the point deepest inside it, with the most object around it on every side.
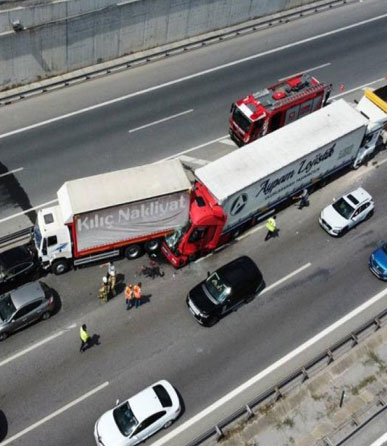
(271, 227)
(84, 338)
(137, 293)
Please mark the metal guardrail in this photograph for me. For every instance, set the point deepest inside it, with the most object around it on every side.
(310, 369)
(9, 238)
(192, 43)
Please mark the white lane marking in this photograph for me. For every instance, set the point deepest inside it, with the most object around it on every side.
(276, 365)
(284, 279)
(12, 171)
(306, 71)
(161, 120)
(55, 414)
(190, 159)
(192, 149)
(192, 76)
(380, 441)
(358, 88)
(380, 163)
(241, 237)
(229, 142)
(35, 346)
(29, 210)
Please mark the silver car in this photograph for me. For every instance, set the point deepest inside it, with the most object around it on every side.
(23, 306)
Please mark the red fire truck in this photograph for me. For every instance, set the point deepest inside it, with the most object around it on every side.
(280, 104)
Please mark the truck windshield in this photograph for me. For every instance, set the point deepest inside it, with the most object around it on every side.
(343, 208)
(241, 120)
(218, 288)
(173, 239)
(37, 236)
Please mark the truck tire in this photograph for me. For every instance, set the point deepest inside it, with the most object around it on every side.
(60, 267)
(133, 251)
(152, 246)
(3, 336)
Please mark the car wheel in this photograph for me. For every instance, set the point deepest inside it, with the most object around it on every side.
(60, 267)
(213, 320)
(3, 336)
(343, 231)
(133, 251)
(370, 214)
(46, 315)
(168, 424)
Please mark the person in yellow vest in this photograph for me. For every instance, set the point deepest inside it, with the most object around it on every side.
(137, 293)
(271, 227)
(85, 338)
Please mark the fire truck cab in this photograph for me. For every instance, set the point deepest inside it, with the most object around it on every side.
(280, 104)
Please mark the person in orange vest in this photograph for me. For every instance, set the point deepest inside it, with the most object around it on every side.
(129, 296)
(137, 293)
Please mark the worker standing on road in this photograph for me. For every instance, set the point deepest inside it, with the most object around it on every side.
(137, 294)
(129, 296)
(104, 290)
(111, 276)
(271, 226)
(85, 338)
(303, 197)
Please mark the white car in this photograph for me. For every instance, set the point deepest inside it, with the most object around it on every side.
(347, 212)
(139, 417)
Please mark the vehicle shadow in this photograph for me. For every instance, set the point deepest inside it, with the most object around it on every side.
(3, 426)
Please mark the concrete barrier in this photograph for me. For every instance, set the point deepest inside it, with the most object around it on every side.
(68, 35)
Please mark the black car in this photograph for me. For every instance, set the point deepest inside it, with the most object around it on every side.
(224, 290)
(16, 263)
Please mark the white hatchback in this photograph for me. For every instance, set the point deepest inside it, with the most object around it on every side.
(347, 212)
(139, 417)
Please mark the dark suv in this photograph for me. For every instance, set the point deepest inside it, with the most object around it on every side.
(224, 290)
(16, 263)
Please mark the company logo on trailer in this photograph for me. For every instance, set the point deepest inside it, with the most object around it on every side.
(239, 204)
(149, 211)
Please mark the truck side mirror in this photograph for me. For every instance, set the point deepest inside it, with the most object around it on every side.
(208, 274)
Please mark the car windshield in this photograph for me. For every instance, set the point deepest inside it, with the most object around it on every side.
(343, 208)
(163, 395)
(241, 120)
(217, 287)
(7, 308)
(125, 419)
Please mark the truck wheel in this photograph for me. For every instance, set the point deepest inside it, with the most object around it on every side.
(152, 246)
(133, 251)
(60, 267)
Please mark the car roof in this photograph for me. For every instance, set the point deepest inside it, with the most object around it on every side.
(26, 293)
(358, 196)
(15, 256)
(239, 270)
(145, 403)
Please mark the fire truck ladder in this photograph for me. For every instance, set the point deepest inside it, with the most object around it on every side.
(295, 97)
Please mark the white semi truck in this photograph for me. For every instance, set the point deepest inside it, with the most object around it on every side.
(117, 213)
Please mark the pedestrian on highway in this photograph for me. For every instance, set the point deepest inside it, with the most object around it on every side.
(271, 227)
(137, 294)
(111, 276)
(85, 338)
(303, 197)
(129, 296)
(104, 290)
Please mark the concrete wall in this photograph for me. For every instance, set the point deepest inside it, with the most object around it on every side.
(72, 34)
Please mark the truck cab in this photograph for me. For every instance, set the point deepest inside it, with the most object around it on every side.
(373, 105)
(52, 240)
(202, 232)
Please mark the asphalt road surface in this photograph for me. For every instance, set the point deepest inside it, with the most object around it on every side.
(49, 392)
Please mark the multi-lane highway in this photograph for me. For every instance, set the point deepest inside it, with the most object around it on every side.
(49, 393)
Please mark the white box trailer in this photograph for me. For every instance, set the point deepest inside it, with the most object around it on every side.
(271, 169)
(101, 216)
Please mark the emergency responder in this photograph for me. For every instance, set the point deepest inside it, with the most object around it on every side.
(271, 227)
(303, 197)
(104, 290)
(85, 338)
(137, 293)
(129, 296)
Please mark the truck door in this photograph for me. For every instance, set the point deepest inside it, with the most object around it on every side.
(199, 238)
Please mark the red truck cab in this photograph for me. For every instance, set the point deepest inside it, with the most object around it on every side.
(202, 232)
